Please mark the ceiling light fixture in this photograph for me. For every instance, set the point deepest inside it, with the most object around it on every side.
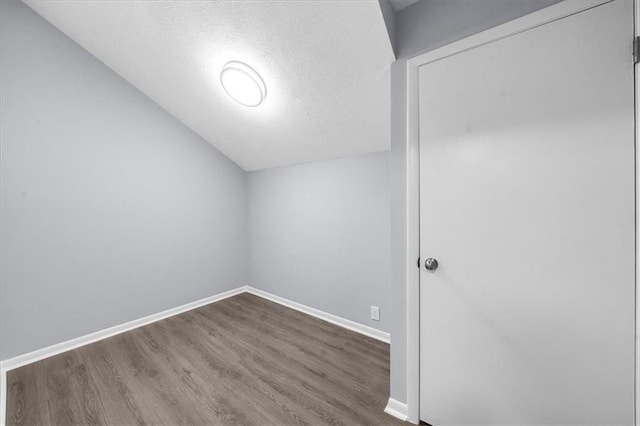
(243, 84)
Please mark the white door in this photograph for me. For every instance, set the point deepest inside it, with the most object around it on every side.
(527, 203)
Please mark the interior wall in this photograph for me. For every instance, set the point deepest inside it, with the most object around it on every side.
(429, 24)
(111, 209)
(398, 229)
(319, 235)
(421, 27)
(389, 17)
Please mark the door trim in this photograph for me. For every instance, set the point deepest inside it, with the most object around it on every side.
(527, 22)
(636, 7)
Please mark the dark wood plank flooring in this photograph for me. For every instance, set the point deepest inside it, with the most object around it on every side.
(239, 361)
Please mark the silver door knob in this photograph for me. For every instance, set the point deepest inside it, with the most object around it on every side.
(431, 264)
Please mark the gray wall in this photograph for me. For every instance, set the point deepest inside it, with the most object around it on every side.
(389, 17)
(398, 225)
(110, 208)
(421, 27)
(319, 235)
(429, 24)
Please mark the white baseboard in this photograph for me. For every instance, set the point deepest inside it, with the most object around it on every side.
(333, 319)
(397, 409)
(58, 348)
(39, 354)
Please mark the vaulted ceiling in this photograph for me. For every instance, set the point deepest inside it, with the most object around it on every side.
(325, 65)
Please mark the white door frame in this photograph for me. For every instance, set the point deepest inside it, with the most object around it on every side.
(527, 22)
(636, 8)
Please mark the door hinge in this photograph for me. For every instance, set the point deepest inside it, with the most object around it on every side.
(636, 50)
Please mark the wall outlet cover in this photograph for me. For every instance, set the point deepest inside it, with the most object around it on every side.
(375, 313)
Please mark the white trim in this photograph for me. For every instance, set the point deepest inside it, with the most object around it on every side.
(396, 409)
(527, 22)
(636, 5)
(413, 247)
(333, 319)
(58, 348)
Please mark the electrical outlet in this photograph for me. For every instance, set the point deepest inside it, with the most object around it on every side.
(375, 313)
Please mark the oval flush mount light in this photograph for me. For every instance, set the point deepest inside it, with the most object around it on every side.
(243, 84)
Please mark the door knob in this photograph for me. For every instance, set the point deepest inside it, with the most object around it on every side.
(431, 264)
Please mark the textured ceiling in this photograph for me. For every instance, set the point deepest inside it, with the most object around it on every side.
(398, 5)
(325, 64)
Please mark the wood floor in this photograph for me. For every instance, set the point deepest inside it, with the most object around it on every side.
(241, 361)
